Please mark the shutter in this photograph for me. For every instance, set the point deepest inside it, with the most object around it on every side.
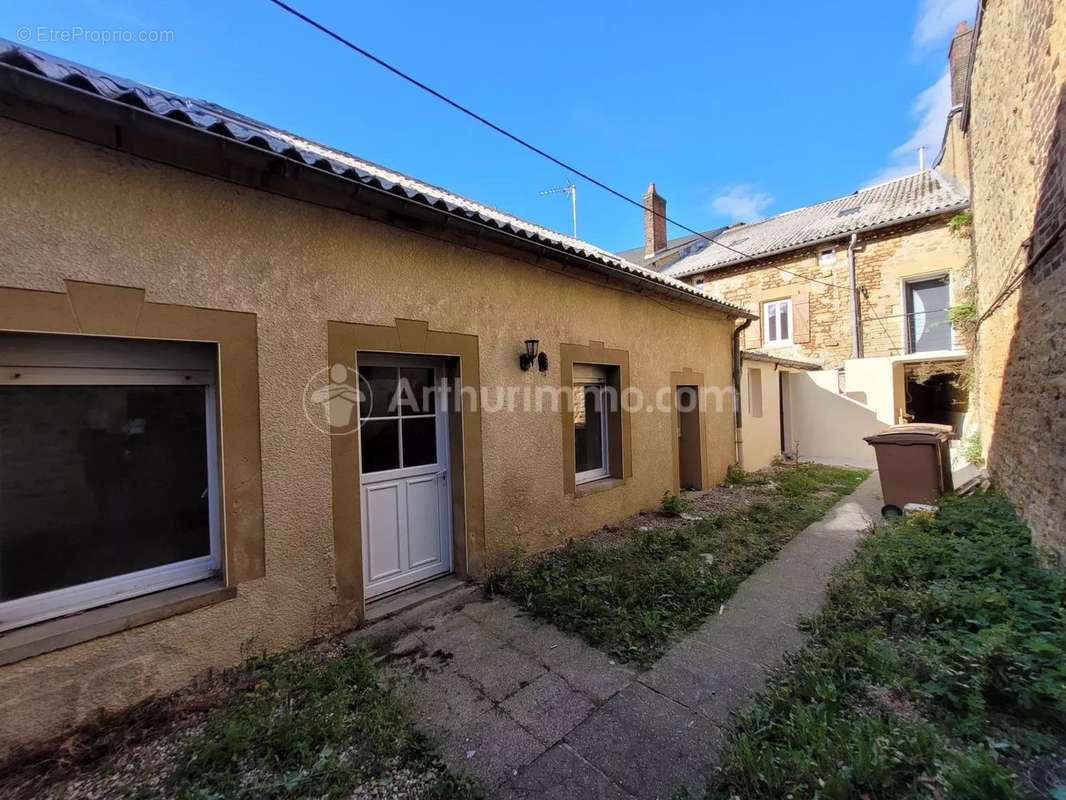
(753, 333)
(801, 316)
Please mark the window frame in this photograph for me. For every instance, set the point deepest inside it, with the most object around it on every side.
(905, 282)
(785, 302)
(439, 415)
(24, 611)
(755, 410)
(827, 256)
(580, 384)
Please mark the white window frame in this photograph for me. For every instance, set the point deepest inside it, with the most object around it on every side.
(591, 375)
(701, 283)
(24, 611)
(827, 256)
(768, 341)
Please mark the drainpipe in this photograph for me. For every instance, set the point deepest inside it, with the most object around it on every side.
(737, 418)
(856, 340)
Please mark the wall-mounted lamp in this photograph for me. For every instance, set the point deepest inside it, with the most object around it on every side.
(526, 360)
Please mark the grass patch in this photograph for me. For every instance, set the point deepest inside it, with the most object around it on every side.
(938, 669)
(311, 728)
(632, 599)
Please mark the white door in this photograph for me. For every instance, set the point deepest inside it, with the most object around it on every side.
(403, 450)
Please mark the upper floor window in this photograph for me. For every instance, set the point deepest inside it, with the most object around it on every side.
(777, 322)
(699, 283)
(927, 324)
(108, 471)
(827, 256)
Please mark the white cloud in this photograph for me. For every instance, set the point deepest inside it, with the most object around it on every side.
(742, 202)
(938, 18)
(931, 110)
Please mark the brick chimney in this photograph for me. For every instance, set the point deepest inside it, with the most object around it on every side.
(959, 62)
(654, 222)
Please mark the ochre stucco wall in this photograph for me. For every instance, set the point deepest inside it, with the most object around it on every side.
(882, 260)
(1017, 139)
(75, 211)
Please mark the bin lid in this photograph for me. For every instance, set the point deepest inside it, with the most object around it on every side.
(912, 433)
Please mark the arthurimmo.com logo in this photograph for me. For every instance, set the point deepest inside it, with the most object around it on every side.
(332, 398)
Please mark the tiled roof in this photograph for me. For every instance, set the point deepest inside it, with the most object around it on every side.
(912, 197)
(217, 120)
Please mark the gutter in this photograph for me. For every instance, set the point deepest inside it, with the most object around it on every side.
(738, 421)
(853, 296)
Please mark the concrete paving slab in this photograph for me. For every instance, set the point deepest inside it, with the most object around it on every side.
(548, 708)
(499, 670)
(492, 749)
(595, 675)
(649, 744)
(713, 682)
(445, 701)
(561, 774)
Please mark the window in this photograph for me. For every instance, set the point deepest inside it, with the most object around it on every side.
(108, 471)
(699, 284)
(591, 429)
(399, 422)
(927, 324)
(755, 392)
(827, 257)
(777, 322)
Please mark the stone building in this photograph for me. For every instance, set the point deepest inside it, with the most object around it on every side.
(1014, 122)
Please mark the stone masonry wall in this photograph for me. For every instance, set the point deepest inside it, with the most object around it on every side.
(1016, 126)
(882, 261)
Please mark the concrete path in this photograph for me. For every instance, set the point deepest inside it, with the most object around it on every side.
(536, 713)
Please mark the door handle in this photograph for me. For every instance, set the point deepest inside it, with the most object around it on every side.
(443, 474)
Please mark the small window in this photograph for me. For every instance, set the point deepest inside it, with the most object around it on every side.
(699, 284)
(108, 471)
(755, 392)
(399, 422)
(591, 431)
(777, 322)
(827, 256)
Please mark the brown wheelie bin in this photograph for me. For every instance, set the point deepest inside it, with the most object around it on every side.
(914, 463)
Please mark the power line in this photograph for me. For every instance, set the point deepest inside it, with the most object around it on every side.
(518, 139)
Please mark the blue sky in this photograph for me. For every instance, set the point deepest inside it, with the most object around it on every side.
(735, 110)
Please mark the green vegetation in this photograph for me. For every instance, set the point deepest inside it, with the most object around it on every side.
(937, 669)
(674, 504)
(632, 599)
(310, 728)
(961, 222)
(972, 450)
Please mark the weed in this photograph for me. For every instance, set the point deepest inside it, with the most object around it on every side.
(633, 599)
(308, 729)
(955, 614)
(674, 504)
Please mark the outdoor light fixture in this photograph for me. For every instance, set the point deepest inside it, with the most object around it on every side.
(526, 360)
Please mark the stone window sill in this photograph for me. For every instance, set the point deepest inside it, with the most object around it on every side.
(55, 634)
(595, 487)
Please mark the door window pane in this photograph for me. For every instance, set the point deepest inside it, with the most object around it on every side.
(416, 391)
(419, 441)
(381, 382)
(99, 481)
(379, 442)
(588, 428)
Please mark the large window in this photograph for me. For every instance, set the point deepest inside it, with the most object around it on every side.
(777, 322)
(591, 429)
(928, 325)
(108, 471)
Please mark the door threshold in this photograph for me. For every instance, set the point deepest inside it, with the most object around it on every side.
(409, 596)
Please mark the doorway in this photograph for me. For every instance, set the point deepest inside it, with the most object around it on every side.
(689, 449)
(403, 467)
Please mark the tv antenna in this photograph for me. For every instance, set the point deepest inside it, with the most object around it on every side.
(571, 190)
